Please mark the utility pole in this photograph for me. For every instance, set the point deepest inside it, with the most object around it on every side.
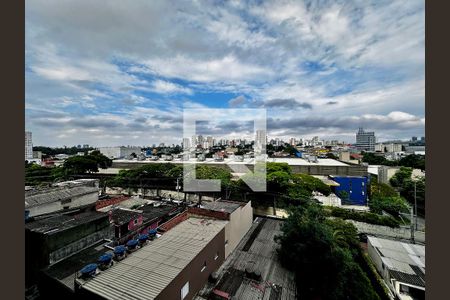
(415, 199)
(412, 224)
(178, 188)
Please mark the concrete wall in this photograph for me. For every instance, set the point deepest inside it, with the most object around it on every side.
(153, 192)
(193, 274)
(79, 245)
(398, 233)
(240, 222)
(350, 170)
(119, 152)
(385, 173)
(77, 201)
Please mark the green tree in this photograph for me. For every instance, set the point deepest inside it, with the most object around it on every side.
(102, 161)
(402, 175)
(275, 167)
(373, 159)
(278, 181)
(413, 161)
(331, 155)
(392, 205)
(318, 252)
(311, 183)
(80, 165)
(381, 190)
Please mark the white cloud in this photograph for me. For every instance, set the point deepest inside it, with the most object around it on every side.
(166, 87)
(101, 59)
(227, 68)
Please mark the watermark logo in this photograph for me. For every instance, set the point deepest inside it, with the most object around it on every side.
(250, 168)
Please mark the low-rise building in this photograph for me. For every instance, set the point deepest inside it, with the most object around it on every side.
(351, 189)
(239, 215)
(49, 240)
(131, 222)
(62, 196)
(385, 173)
(174, 266)
(119, 152)
(402, 266)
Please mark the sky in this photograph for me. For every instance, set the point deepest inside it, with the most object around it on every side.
(108, 73)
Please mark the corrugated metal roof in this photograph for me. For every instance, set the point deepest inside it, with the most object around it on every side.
(413, 279)
(35, 198)
(406, 262)
(146, 272)
(62, 222)
(256, 251)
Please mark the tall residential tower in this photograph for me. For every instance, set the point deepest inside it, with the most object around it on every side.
(365, 140)
(28, 146)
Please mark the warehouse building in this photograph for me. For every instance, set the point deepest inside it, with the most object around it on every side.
(62, 196)
(119, 152)
(173, 266)
(55, 238)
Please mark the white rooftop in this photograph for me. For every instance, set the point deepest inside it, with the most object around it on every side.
(398, 256)
(290, 161)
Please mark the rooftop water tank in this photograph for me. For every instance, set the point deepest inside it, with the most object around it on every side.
(152, 233)
(105, 258)
(88, 270)
(131, 244)
(143, 238)
(120, 250)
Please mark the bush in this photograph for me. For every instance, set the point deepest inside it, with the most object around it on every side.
(392, 205)
(366, 217)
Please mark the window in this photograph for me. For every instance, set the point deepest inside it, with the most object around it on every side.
(404, 289)
(204, 267)
(216, 256)
(66, 207)
(362, 193)
(185, 290)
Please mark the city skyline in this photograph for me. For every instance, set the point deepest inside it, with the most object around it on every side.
(212, 140)
(319, 69)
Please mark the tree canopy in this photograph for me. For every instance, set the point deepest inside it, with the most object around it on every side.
(87, 163)
(321, 253)
(412, 160)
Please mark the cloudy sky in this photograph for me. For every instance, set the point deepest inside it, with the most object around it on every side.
(121, 72)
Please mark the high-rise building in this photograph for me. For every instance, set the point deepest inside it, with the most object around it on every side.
(365, 140)
(186, 143)
(209, 141)
(28, 145)
(200, 140)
